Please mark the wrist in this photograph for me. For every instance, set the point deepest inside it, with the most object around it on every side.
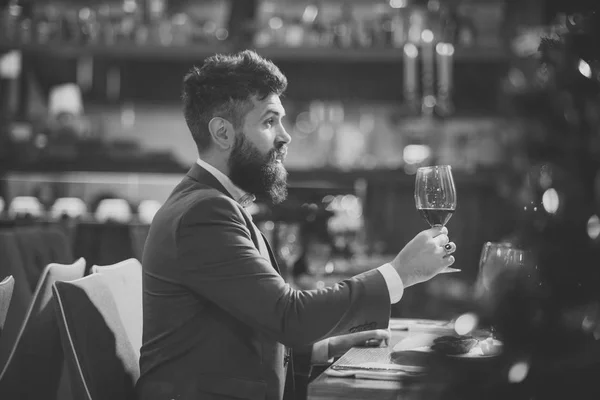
(320, 353)
(407, 278)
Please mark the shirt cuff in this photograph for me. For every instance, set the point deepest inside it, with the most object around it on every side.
(320, 353)
(393, 281)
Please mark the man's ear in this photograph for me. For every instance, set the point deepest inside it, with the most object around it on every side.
(222, 132)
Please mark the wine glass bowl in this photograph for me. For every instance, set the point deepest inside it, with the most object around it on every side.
(435, 194)
(501, 267)
(497, 258)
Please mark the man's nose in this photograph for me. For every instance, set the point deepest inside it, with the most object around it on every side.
(283, 136)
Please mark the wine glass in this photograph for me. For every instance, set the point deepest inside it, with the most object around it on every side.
(435, 194)
(497, 259)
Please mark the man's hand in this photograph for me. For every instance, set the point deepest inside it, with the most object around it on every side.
(338, 345)
(425, 256)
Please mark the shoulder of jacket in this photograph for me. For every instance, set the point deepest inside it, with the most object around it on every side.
(211, 201)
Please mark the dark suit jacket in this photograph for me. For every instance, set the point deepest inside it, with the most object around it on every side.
(217, 314)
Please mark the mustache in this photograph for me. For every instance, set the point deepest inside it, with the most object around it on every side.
(280, 151)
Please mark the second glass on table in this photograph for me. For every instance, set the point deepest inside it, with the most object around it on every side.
(435, 194)
(500, 265)
(498, 258)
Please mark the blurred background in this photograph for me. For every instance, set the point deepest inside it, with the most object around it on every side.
(92, 136)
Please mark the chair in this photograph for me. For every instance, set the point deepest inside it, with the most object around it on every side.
(6, 290)
(59, 246)
(124, 280)
(1, 205)
(102, 363)
(34, 366)
(11, 264)
(39, 247)
(31, 248)
(103, 243)
(138, 234)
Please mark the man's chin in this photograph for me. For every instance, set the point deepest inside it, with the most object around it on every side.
(278, 194)
(278, 190)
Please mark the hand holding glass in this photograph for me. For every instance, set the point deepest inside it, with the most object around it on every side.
(435, 198)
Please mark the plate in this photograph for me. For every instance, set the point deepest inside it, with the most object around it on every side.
(413, 345)
(402, 324)
(477, 352)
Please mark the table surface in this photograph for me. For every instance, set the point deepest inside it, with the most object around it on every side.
(328, 387)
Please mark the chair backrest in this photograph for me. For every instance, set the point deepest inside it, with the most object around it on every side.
(41, 246)
(11, 263)
(102, 362)
(124, 280)
(6, 290)
(103, 243)
(34, 366)
(31, 247)
(58, 244)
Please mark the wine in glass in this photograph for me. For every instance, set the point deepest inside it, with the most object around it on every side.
(435, 194)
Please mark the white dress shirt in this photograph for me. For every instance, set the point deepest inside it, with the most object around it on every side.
(320, 351)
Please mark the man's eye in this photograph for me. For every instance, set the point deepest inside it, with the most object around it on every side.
(269, 122)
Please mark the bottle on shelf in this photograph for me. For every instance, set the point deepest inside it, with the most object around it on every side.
(343, 28)
(311, 26)
(466, 32)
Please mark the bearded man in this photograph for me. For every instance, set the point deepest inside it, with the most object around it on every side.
(219, 320)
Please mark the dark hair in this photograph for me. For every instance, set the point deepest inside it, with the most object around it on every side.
(223, 87)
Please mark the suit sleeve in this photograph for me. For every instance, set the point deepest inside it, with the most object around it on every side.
(218, 260)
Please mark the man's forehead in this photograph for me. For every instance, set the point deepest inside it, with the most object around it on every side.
(271, 102)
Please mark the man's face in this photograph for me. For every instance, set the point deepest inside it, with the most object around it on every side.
(260, 147)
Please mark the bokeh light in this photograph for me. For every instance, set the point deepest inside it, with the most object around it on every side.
(518, 372)
(466, 323)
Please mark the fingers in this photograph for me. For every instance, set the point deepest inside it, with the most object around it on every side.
(449, 260)
(376, 342)
(372, 338)
(436, 231)
(441, 239)
(449, 270)
(450, 247)
(378, 334)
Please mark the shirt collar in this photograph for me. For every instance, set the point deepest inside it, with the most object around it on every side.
(244, 198)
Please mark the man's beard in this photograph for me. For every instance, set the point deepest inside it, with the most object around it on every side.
(261, 175)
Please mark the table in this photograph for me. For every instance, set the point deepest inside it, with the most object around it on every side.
(327, 387)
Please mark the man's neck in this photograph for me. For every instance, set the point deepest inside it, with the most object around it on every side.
(216, 161)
